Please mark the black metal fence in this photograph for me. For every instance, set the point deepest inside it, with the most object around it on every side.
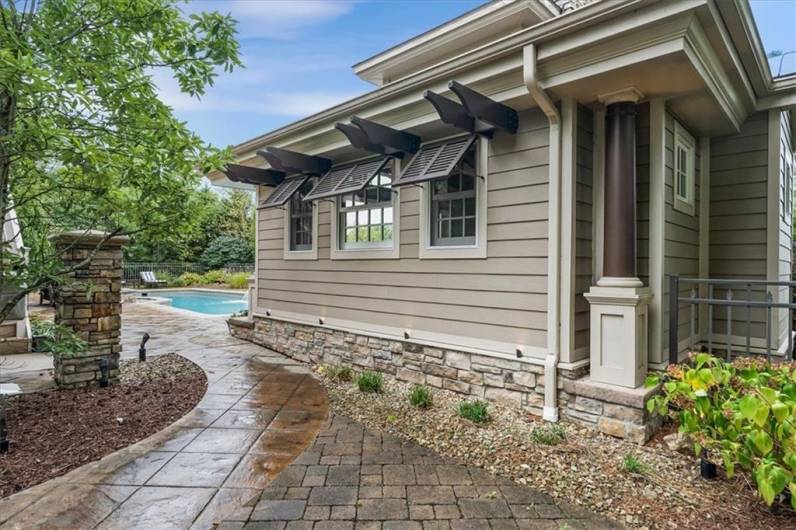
(737, 297)
(132, 270)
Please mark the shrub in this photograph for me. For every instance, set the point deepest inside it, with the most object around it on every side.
(339, 373)
(191, 278)
(225, 250)
(370, 382)
(57, 339)
(632, 464)
(741, 414)
(548, 434)
(216, 276)
(475, 411)
(238, 280)
(420, 396)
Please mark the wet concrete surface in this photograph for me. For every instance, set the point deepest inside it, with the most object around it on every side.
(261, 411)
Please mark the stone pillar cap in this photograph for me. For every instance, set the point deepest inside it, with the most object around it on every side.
(88, 238)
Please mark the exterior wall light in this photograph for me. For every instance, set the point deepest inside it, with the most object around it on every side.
(320, 321)
(406, 334)
(518, 351)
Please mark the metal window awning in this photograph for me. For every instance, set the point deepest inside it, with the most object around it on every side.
(435, 161)
(347, 179)
(253, 175)
(477, 113)
(284, 191)
(378, 138)
(292, 162)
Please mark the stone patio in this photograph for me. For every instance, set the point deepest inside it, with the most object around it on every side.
(262, 451)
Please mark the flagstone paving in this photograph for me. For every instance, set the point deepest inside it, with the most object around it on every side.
(262, 451)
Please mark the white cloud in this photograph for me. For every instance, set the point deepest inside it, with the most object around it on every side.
(274, 19)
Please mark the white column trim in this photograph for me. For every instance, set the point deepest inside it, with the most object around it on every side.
(704, 228)
(569, 153)
(598, 179)
(773, 212)
(657, 183)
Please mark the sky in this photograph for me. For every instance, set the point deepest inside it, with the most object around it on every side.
(298, 56)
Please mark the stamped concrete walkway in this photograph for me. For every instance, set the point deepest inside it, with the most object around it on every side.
(262, 451)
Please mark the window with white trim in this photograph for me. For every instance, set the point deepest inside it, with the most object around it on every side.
(365, 217)
(453, 204)
(684, 170)
(300, 213)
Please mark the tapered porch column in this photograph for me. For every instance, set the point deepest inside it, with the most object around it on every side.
(619, 300)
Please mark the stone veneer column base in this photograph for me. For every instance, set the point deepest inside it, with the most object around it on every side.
(514, 382)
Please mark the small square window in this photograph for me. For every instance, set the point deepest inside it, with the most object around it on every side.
(684, 170)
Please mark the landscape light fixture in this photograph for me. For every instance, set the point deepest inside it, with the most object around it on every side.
(142, 348)
(3, 431)
(104, 366)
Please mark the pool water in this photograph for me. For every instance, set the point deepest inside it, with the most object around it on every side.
(209, 303)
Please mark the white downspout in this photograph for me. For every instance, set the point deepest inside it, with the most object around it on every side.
(550, 411)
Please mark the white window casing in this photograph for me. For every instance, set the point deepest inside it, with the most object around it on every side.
(476, 250)
(684, 180)
(366, 250)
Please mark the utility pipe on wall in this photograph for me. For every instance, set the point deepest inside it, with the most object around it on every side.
(550, 411)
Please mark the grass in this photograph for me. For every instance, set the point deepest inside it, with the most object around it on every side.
(632, 464)
(341, 373)
(476, 411)
(548, 434)
(420, 396)
(370, 382)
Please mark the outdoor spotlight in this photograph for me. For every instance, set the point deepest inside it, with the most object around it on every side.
(142, 348)
(518, 351)
(320, 321)
(406, 334)
(3, 431)
(268, 312)
(104, 366)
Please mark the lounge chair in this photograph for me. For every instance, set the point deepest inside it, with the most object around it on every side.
(149, 279)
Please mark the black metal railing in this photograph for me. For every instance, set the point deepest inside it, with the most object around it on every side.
(742, 295)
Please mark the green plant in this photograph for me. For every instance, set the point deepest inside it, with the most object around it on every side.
(370, 382)
(227, 249)
(238, 280)
(420, 396)
(216, 276)
(740, 414)
(548, 434)
(476, 411)
(57, 339)
(339, 373)
(191, 278)
(632, 464)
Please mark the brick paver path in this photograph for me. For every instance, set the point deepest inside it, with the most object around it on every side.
(260, 451)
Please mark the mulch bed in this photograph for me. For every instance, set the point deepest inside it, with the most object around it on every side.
(586, 467)
(56, 431)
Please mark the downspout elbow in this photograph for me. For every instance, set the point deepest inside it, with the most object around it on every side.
(542, 99)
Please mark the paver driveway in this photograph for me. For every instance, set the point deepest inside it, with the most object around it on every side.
(262, 451)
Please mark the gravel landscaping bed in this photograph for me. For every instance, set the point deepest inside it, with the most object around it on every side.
(650, 486)
(55, 431)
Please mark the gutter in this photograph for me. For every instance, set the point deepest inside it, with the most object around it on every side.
(550, 411)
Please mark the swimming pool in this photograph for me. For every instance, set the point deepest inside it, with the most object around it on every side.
(207, 302)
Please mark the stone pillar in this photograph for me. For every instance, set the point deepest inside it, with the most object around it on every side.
(619, 330)
(89, 301)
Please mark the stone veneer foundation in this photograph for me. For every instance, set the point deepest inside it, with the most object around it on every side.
(514, 382)
(89, 301)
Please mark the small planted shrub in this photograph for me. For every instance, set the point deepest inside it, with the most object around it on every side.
(57, 339)
(340, 373)
(548, 434)
(238, 280)
(742, 414)
(215, 277)
(632, 464)
(476, 411)
(370, 382)
(420, 396)
(191, 278)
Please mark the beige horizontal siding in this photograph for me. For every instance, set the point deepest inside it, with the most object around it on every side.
(502, 298)
(583, 228)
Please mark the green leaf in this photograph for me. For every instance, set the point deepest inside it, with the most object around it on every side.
(780, 411)
(761, 415)
(762, 441)
(748, 406)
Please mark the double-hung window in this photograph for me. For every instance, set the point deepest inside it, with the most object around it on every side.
(301, 215)
(684, 170)
(365, 217)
